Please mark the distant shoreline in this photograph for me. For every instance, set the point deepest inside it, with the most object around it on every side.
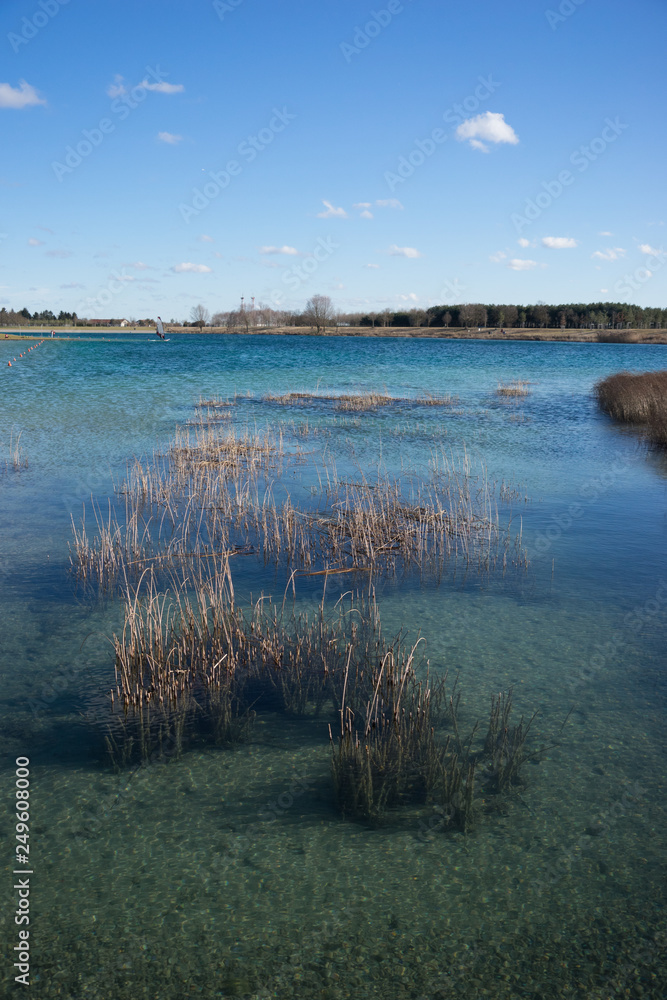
(412, 333)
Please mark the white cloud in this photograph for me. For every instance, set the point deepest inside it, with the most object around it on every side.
(647, 248)
(162, 87)
(375, 267)
(410, 297)
(365, 206)
(23, 96)
(170, 138)
(403, 251)
(490, 126)
(190, 268)
(522, 265)
(523, 242)
(388, 203)
(118, 88)
(58, 253)
(497, 257)
(206, 239)
(73, 284)
(604, 291)
(558, 242)
(611, 253)
(288, 251)
(138, 265)
(35, 243)
(331, 212)
(605, 233)
(122, 277)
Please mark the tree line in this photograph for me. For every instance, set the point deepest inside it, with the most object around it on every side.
(573, 316)
(320, 313)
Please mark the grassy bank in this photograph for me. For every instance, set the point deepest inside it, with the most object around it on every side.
(639, 399)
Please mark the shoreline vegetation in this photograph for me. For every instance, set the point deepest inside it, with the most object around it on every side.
(636, 336)
(639, 400)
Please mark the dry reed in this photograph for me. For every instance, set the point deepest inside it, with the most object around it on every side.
(516, 388)
(218, 491)
(639, 399)
(619, 337)
(16, 458)
(359, 401)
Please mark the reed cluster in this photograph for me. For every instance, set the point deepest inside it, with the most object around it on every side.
(400, 753)
(515, 388)
(360, 401)
(639, 399)
(220, 491)
(192, 669)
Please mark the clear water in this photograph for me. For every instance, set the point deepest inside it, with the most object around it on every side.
(180, 879)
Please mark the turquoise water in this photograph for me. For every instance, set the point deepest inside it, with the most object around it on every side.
(163, 881)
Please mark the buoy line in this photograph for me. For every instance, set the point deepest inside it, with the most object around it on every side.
(34, 347)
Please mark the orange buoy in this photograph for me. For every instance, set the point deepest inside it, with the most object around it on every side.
(9, 363)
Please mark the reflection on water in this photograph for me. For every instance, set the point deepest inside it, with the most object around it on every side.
(229, 871)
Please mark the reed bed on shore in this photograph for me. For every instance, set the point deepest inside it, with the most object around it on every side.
(639, 399)
(619, 337)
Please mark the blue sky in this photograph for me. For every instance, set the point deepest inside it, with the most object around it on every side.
(388, 155)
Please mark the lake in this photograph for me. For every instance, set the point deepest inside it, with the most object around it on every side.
(229, 871)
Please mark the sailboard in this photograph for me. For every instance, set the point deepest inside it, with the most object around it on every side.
(159, 329)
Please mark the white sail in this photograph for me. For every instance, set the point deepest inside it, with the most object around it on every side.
(160, 328)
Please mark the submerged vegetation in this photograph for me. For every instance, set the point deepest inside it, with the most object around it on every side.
(192, 668)
(221, 491)
(639, 399)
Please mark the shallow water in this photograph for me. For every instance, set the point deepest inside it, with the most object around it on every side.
(182, 879)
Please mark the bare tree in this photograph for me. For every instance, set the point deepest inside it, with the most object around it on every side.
(319, 311)
(200, 316)
(466, 314)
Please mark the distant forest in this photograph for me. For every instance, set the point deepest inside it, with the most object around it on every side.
(574, 316)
